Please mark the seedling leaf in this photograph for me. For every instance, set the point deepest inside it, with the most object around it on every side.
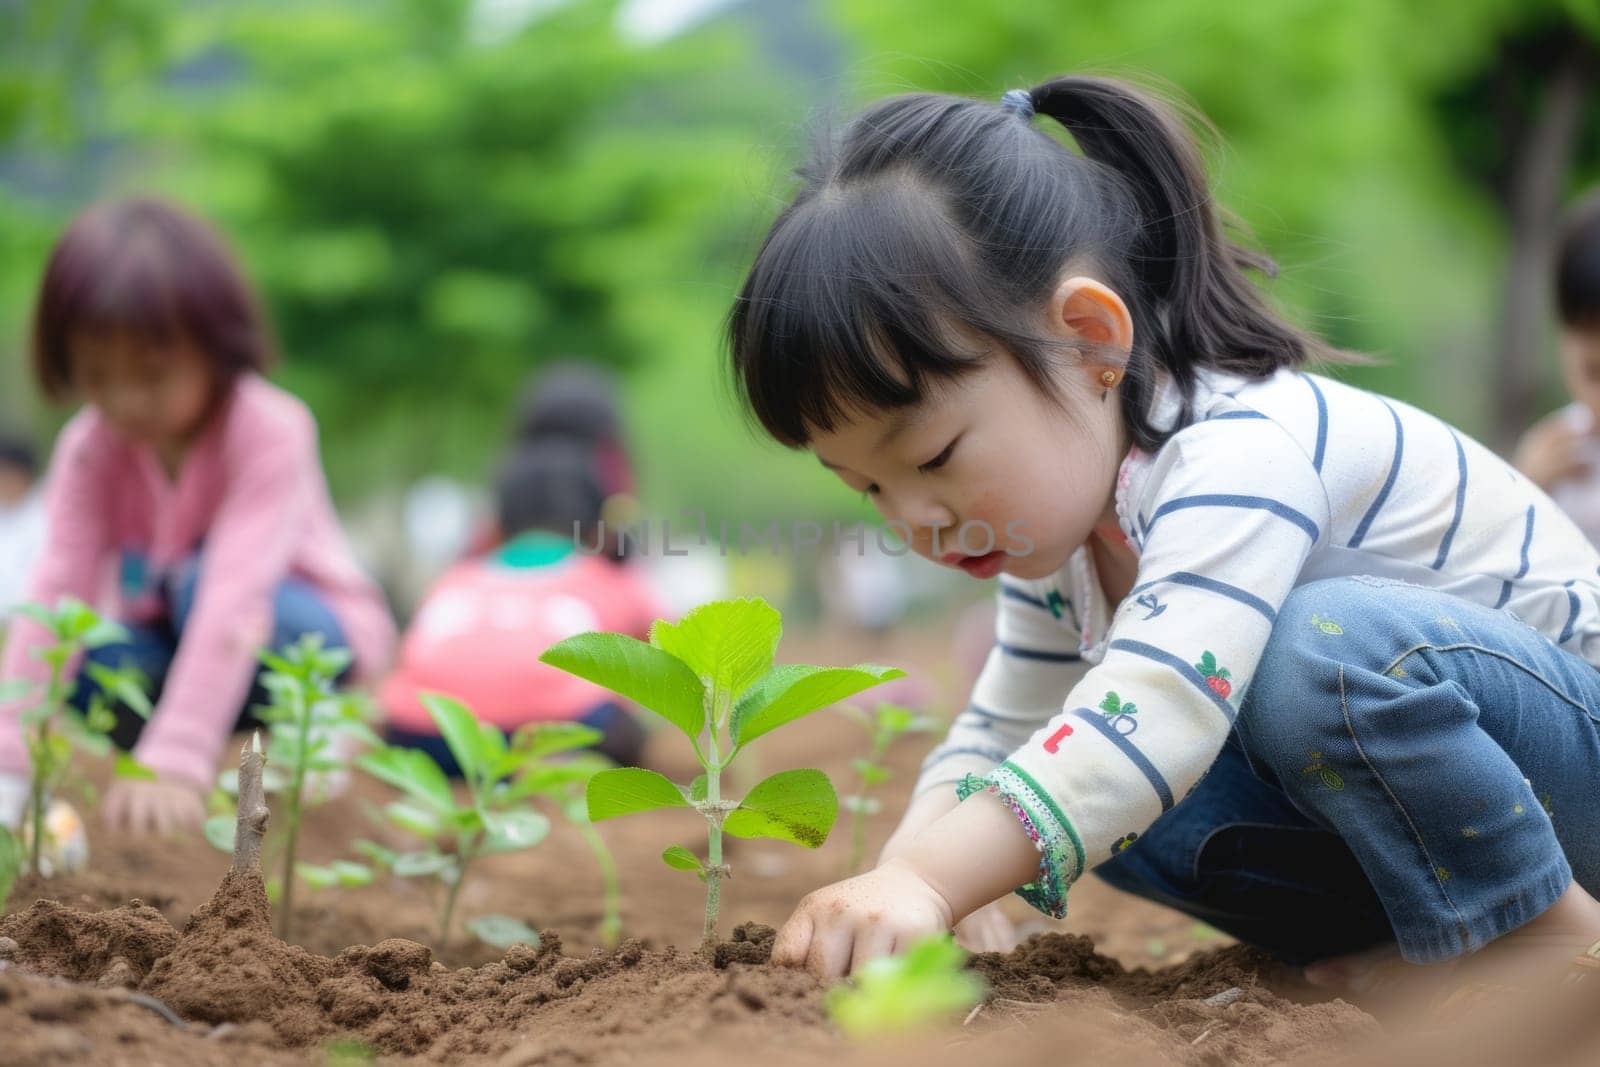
(798, 806)
(316, 877)
(418, 864)
(894, 994)
(502, 931)
(732, 642)
(630, 789)
(10, 863)
(681, 859)
(219, 831)
(128, 767)
(513, 830)
(412, 772)
(792, 690)
(537, 740)
(460, 732)
(643, 673)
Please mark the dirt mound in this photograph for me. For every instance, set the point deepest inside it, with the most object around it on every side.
(120, 945)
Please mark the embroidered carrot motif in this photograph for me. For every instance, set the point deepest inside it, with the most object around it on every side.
(1120, 715)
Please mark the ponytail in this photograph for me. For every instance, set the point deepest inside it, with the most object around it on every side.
(1209, 313)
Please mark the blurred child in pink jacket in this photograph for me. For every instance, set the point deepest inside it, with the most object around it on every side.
(188, 490)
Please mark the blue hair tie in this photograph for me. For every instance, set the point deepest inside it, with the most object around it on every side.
(1019, 102)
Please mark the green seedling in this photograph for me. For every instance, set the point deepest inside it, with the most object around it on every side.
(10, 863)
(712, 676)
(304, 714)
(496, 816)
(886, 724)
(53, 730)
(565, 783)
(894, 994)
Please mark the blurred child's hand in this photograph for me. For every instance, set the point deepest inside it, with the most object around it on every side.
(1550, 452)
(838, 928)
(152, 807)
(989, 929)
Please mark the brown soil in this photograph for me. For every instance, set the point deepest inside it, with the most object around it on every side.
(87, 976)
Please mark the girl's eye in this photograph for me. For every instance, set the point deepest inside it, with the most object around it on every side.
(941, 459)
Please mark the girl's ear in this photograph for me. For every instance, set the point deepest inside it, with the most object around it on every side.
(1092, 311)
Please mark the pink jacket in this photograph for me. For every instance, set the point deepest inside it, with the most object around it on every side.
(251, 497)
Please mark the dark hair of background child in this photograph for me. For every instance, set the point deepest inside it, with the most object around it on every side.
(18, 454)
(932, 216)
(152, 270)
(549, 484)
(1578, 265)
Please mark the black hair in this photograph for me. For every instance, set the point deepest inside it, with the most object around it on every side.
(932, 216)
(548, 485)
(1578, 265)
(18, 454)
(570, 399)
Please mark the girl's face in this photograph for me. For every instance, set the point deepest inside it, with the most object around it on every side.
(988, 474)
(157, 394)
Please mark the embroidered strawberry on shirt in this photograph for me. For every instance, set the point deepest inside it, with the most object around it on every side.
(1216, 677)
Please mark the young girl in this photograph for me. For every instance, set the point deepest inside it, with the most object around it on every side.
(1299, 660)
(189, 489)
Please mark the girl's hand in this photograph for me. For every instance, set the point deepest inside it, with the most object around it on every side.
(989, 929)
(152, 807)
(838, 928)
(1551, 453)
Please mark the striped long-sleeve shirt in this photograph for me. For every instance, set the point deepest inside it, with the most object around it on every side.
(1091, 719)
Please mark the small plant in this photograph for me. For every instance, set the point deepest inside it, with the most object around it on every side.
(495, 818)
(53, 730)
(564, 784)
(712, 676)
(10, 863)
(304, 715)
(895, 994)
(886, 724)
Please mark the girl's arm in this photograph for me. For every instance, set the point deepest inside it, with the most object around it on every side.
(77, 544)
(272, 476)
(1027, 674)
(1235, 508)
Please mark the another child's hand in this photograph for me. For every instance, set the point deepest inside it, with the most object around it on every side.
(152, 807)
(1550, 453)
(838, 928)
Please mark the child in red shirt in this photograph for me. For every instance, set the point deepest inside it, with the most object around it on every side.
(480, 629)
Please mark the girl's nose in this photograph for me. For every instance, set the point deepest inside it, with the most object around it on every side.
(923, 516)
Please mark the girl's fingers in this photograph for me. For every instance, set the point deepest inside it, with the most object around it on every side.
(830, 951)
(793, 942)
(871, 943)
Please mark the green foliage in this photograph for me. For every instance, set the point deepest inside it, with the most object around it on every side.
(306, 716)
(885, 724)
(712, 676)
(52, 730)
(894, 994)
(495, 817)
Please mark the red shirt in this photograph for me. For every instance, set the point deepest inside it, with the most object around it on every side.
(481, 628)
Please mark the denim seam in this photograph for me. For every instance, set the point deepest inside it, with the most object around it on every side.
(1433, 866)
(1467, 646)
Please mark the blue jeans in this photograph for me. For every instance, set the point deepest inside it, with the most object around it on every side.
(1407, 767)
(623, 742)
(297, 609)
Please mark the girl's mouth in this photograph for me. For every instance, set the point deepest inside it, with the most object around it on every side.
(985, 566)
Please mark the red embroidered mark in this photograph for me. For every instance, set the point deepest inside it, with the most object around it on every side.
(1054, 743)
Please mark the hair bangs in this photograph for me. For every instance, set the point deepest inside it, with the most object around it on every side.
(856, 303)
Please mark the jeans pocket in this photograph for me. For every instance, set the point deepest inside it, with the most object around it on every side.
(1273, 857)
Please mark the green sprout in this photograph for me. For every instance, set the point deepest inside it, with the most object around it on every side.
(495, 817)
(712, 676)
(10, 863)
(53, 730)
(564, 783)
(895, 994)
(304, 714)
(886, 723)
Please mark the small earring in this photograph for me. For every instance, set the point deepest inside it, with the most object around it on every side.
(1109, 378)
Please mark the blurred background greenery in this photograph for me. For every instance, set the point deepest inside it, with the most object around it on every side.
(437, 196)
